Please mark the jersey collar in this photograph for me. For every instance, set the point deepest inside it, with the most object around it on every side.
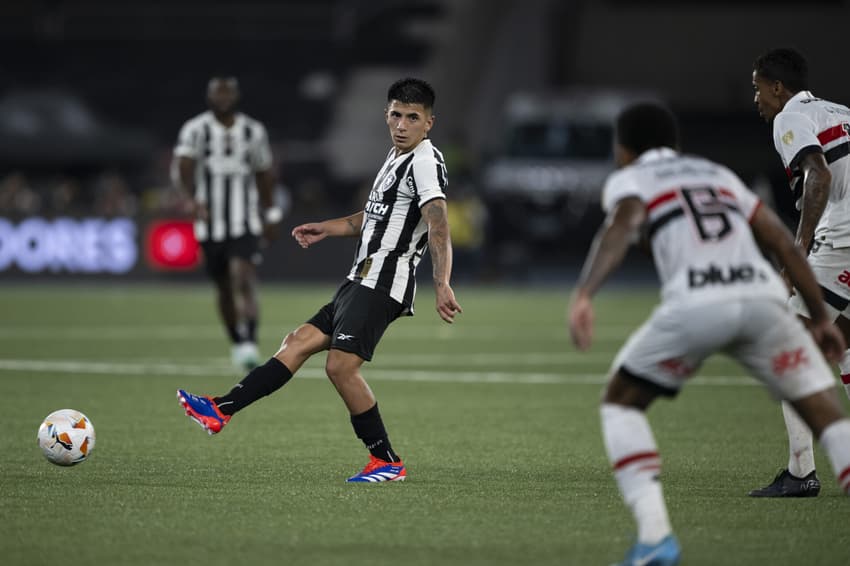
(802, 95)
(411, 150)
(655, 154)
(237, 121)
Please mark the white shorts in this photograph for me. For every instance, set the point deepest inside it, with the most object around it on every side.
(831, 267)
(762, 335)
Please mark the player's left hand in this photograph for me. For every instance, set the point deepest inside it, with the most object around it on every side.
(447, 305)
(580, 317)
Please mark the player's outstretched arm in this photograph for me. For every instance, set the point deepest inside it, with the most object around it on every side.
(308, 234)
(775, 238)
(619, 231)
(436, 216)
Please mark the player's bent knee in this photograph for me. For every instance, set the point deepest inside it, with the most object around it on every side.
(342, 366)
(337, 371)
(628, 392)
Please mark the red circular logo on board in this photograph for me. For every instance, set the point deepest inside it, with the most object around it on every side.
(171, 245)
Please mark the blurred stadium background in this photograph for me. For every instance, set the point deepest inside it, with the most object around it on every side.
(100, 312)
(92, 95)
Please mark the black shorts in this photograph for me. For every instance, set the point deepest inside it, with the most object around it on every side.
(217, 254)
(356, 318)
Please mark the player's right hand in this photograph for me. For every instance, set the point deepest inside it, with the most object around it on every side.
(580, 317)
(308, 234)
(447, 305)
(196, 210)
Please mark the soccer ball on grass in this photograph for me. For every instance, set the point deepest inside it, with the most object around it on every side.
(66, 437)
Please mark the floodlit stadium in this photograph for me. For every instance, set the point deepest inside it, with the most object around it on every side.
(163, 168)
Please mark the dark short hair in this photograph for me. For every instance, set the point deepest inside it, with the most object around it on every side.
(223, 77)
(785, 65)
(646, 125)
(412, 91)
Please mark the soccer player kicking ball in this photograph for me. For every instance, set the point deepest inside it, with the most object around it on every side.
(405, 214)
(812, 136)
(703, 224)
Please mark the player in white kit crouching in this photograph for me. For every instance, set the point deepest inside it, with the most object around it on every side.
(702, 224)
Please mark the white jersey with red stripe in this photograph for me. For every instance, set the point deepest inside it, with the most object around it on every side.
(698, 215)
(808, 124)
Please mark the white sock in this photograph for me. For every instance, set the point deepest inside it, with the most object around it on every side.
(801, 456)
(836, 441)
(844, 369)
(634, 456)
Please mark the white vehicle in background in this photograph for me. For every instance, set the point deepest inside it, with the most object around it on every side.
(543, 183)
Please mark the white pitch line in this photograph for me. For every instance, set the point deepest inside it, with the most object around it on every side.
(445, 360)
(405, 374)
(500, 358)
(168, 333)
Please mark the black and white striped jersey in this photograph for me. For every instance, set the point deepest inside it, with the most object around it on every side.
(226, 161)
(394, 235)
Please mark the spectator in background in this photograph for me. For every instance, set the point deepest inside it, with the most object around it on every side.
(17, 197)
(63, 196)
(113, 197)
(223, 164)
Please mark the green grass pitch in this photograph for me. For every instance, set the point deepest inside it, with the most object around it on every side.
(495, 416)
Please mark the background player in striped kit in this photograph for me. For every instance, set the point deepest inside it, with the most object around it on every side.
(719, 294)
(812, 136)
(223, 165)
(405, 214)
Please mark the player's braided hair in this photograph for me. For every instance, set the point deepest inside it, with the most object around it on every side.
(412, 91)
(785, 65)
(647, 125)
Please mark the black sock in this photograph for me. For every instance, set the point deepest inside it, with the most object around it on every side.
(233, 332)
(263, 380)
(251, 330)
(370, 429)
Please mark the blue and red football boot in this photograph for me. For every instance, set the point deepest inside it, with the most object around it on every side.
(203, 411)
(378, 470)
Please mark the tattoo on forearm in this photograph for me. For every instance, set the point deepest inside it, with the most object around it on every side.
(814, 202)
(354, 229)
(439, 242)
